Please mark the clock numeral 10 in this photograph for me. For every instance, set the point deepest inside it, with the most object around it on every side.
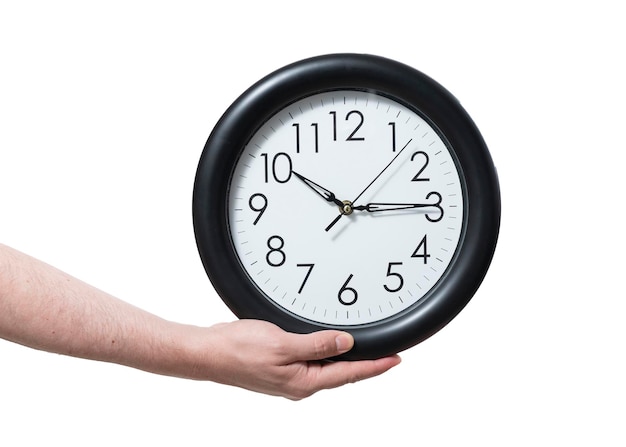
(280, 167)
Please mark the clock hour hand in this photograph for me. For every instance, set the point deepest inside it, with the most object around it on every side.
(327, 195)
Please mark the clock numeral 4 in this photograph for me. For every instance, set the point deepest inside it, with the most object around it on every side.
(422, 250)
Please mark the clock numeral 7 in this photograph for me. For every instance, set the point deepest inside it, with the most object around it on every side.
(306, 277)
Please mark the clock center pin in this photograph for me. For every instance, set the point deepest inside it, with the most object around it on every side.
(346, 208)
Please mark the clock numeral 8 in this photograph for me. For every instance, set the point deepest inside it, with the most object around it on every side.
(275, 244)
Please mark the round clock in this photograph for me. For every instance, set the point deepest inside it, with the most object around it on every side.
(347, 192)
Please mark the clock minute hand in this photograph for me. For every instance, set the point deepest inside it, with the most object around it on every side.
(375, 207)
(326, 194)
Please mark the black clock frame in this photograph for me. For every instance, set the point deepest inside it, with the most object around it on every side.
(410, 88)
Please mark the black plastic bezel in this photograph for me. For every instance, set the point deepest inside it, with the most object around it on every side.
(405, 85)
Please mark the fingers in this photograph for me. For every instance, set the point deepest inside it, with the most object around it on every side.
(319, 345)
(332, 375)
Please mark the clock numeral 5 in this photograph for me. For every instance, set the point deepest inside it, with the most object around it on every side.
(397, 275)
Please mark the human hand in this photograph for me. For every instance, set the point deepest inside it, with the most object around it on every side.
(260, 356)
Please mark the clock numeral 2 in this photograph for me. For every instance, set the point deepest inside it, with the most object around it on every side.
(423, 155)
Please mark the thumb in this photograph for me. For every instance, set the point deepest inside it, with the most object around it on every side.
(322, 344)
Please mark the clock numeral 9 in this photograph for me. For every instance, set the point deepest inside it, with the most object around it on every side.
(260, 209)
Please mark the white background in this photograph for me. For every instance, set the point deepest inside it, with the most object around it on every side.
(105, 108)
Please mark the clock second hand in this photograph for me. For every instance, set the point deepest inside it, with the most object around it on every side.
(348, 207)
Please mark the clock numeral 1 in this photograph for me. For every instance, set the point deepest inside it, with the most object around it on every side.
(393, 136)
(347, 295)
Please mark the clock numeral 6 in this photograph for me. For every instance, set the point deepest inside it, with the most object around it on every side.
(347, 295)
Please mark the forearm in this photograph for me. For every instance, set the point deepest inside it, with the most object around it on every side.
(47, 309)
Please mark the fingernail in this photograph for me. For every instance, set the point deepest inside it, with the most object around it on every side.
(344, 342)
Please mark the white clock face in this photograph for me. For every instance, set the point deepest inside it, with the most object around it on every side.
(392, 238)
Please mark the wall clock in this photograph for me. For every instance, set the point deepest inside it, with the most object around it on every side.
(347, 191)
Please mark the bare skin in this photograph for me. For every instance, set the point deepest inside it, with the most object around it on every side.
(47, 309)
